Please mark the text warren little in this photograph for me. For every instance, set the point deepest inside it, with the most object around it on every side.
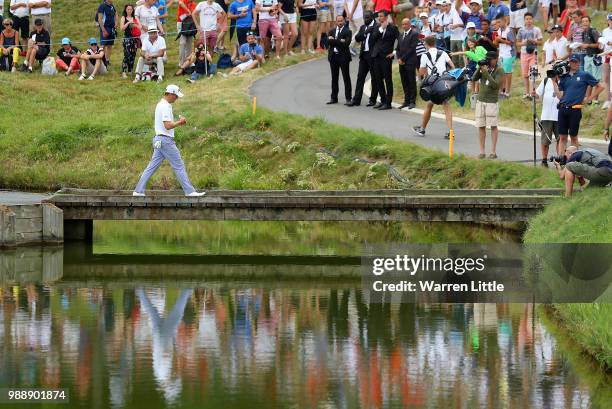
(432, 286)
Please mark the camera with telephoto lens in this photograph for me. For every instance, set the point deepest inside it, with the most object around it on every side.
(486, 61)
(559, 68)
(560, 159)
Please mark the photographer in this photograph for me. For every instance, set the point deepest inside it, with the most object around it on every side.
(585, 163)
(571, 90)
(550, 113)
(250, 54)
(490, 77)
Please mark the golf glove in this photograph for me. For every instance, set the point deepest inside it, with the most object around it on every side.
(157, 144)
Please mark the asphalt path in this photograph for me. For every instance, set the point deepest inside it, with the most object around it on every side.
(305, 88)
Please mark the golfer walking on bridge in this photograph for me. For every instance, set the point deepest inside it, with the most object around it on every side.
(164, 146)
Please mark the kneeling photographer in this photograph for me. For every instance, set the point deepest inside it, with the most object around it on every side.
(572, 87)
(584, 163)
(490, 78)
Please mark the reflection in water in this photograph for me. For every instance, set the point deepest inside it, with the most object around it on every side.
(257, 347)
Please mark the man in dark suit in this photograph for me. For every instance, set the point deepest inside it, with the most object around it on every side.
(408, 62)
(339, 57)
(365, 37)
(384, 43)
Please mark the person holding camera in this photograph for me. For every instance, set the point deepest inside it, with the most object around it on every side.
(550, 113)
(490, 77)
(528, 38)
(250, 55)
(572, 89)
(585, 163)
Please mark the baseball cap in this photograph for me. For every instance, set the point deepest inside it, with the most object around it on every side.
(152, 29)
(250, 33)
(423, 15)
(470, 25)
(174, 89)
(38, 22)
(574, 57)
(65, 41)
(92, 40)
(556, 27)
(479, 2)
(610, 16)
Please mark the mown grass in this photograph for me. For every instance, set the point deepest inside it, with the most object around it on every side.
(517, 112)
(584, 218)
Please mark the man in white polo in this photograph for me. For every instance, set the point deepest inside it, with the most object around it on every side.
(164, 146)
(153, 52)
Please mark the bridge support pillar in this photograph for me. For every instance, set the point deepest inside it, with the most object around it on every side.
(78, 230)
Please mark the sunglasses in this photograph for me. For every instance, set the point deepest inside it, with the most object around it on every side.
(7, 24)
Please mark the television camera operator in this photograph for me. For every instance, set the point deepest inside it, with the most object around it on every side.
(581, 164)
(574, 88)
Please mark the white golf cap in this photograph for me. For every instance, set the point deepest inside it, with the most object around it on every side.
(174, 89)
(423, 15)
(479, 2)
(152, 29)
(470, 25)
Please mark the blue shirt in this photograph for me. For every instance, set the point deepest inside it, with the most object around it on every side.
(474, 18)
(108, 15)
(574, 87)
(238, 7)
(245, 49)
(164, 10)
(496, 11)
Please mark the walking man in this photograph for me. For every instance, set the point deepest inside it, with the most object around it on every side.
(365, 37)
(339, 58)
(164, 146)
(407, 60)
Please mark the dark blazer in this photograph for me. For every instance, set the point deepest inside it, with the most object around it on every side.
(362, 35)
(406, 47)
(384, 44)
(341, 42)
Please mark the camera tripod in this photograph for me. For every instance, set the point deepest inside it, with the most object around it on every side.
(533, 76)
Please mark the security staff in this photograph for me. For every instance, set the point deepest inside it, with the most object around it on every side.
(339, 57)
(365, 37)
(385, 38)
(571, 90)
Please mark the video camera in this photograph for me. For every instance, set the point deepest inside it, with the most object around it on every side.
(560, 159)
(559, 68)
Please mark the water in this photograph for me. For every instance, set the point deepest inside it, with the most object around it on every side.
(120, 330)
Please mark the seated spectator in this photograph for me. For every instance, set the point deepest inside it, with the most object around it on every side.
(39, 45)
(9, 47)
(202, 66)
(250, 55)
(68, 57)
(93, 61)
(153, 55)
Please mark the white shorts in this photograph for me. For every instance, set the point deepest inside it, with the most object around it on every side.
(517, 18)
(245, 65)
(290, 18)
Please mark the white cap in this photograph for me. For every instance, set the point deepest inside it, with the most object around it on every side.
(152, 29)
(174, 89)
(470, 25)
(479, 2)
(423, 15)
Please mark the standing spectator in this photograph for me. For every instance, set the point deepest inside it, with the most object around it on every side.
(39, 45)
(442, 22)
(242, 12)
(107, 20)
(457, 35)
(184, 17)
(490, 77)
(474, 54)
(354, 15)
(308, 18)
(518, 9)
(573, 90)
(21, 17)
(132, 31)
(390, 6)
(222, 24)
(268, 21)
(555, 48)
(528, 38)
(507, 54)
(408, 62)
(549, 116)
(384, 44)
(9, 47)
(339, 57)
(548, 7)
(566, 16)
(577, 36)
(250, 55)
(1, 12)
(473, 16)
(325, 20)
(486, 36)
(41, 9)
(288, 20)
(590, 43)
(606, 43)
(148, 16)
(153, 54)
(437, 62)
(164, 145)
(162, 9)
(498, 10)
(366, 63)
(424, 26)
(68, 57)
(93, 61)
(206, 17)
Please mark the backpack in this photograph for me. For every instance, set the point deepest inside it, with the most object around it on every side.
(48, 66)
(188, 28)
(225, 61)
